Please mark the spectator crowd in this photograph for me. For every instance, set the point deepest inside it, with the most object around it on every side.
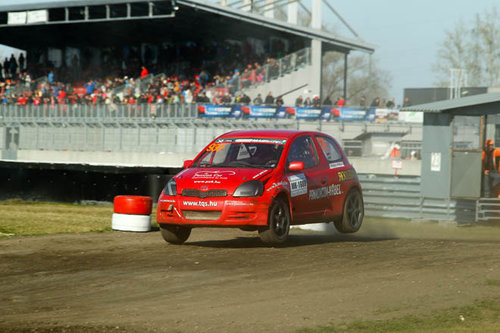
(136, 79)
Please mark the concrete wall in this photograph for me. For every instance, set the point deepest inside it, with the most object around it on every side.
(175, 160)
(125, 159)
(156, 146)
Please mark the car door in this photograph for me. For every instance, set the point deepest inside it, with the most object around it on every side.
(339, 171)
(306, 185)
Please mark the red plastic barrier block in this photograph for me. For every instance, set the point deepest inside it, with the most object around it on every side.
(132, 204)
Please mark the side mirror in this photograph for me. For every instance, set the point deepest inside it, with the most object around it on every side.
(187, 164)
(296, 166)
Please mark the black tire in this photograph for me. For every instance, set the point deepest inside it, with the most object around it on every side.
(353, 213)
(175, 234)
(278, 222)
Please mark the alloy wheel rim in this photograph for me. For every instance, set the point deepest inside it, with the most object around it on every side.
(280, 221)
(354, 210)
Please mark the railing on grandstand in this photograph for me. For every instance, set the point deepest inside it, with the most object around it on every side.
(137, 86)
(22, 86)
(47, 112)
(270, 71)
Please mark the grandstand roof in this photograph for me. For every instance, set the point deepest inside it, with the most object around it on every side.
(472, 105)
(193, 18)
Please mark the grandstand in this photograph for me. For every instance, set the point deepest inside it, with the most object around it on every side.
(79, 101)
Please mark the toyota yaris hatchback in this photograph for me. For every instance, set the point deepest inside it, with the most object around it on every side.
(265, 181)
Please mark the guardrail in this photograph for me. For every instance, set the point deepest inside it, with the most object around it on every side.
(400, 197)
(488, 209)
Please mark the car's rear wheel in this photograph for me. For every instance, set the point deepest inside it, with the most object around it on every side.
(278, 222)
(353, 213)
(175, 234)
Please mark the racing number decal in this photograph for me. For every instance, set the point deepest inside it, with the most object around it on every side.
(346, 175)
(322, 144)
(298, 185)
(216, 147)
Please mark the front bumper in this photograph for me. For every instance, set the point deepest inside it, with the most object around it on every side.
(213, 212)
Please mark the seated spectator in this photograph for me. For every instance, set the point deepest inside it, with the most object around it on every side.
(316, 101)
(226, 99)
(258, 100)
(299, 101)
(307, 102)
(245, 99)
(375, 103)
(279, 101)
(406, 102)
(202, 98)
(362, 102)
(269, 99)
(340, 102)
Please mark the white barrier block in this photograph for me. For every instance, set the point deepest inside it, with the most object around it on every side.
(127, 222)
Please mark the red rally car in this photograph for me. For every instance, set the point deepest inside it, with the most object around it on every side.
(265, 181)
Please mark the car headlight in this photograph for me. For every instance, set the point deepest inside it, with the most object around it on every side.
(171, 187)
(252, 188)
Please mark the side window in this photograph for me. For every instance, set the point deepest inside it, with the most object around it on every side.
(302, 150)
(329, 149)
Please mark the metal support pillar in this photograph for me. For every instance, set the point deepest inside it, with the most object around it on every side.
(345, 76)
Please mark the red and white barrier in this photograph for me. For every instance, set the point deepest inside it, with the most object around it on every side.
(132, 213)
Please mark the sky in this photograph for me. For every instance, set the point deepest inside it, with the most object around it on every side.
(407, 34)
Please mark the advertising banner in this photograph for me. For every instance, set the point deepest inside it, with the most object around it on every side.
(259, 111)
(411, 117)
(349, 114)
(209, 110)
(307, 113)
(384, 115)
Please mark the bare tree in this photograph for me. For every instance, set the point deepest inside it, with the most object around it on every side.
(488, 30)
(474, 48)
(364, 78)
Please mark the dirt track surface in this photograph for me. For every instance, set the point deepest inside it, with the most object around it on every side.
(225, 280)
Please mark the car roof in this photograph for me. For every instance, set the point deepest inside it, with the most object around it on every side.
(267, 133)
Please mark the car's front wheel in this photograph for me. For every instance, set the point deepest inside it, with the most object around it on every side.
(175, 234)
(353, 214)
(278, 224)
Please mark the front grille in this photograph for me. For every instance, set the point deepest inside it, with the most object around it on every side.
(201, 215)
(188, 192)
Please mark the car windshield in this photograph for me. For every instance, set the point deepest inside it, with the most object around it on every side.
(242, 153)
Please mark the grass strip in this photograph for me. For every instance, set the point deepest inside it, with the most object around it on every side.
(22, 218)
(482, 316)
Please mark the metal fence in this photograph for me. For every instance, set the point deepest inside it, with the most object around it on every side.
(488, 209)
(67, 112)
(401, 197)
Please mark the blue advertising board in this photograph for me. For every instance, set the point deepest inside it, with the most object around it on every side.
(307, 113)
(209, 110)
(259, 111)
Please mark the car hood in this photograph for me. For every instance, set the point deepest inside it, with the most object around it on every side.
(218, 178)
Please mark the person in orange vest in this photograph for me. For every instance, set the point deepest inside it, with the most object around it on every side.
(489, 166)
(395, 152)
